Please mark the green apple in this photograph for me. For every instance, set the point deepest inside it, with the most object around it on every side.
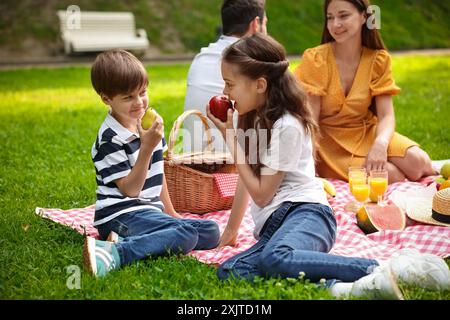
(148, 118)
(445, 170)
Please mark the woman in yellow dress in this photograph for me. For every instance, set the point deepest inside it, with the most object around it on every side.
(350, 87)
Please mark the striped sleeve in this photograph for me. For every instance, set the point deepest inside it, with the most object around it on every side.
(111, 162)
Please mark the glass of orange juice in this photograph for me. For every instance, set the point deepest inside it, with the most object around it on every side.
(360, 191)
(357, 180)
(378, 184)
(356, 175)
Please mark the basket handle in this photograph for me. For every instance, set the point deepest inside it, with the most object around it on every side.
(177, 125)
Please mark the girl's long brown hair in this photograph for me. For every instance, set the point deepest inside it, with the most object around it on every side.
(371, 38)
(262, 56)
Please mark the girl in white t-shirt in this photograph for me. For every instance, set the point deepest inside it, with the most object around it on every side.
(273, 151)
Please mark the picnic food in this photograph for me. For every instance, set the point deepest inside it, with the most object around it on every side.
(439, 181)
(148, 118)
(328, 187)
(445, 185)
(445, 170)
(373, 218)
(219, 106)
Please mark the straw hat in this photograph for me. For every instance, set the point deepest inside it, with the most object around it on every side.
(433, 211)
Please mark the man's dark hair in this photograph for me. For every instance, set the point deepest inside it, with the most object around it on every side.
(237, 14)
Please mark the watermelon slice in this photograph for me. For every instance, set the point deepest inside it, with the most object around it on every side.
(373, 218)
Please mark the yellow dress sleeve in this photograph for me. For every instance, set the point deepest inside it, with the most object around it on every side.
(312, 73)
(382, 82)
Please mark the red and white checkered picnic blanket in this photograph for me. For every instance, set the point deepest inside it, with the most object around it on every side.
(350, 240)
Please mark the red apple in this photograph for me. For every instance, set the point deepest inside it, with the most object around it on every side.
(219, 106)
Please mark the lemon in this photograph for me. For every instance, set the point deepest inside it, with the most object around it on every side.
(445, 170)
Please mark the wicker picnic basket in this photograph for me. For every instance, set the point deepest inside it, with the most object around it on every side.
(189, 176)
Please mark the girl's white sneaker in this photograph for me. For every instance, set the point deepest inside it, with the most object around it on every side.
(381, 284)
(424, 270)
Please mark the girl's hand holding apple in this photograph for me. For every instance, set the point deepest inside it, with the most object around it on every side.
(220, 112)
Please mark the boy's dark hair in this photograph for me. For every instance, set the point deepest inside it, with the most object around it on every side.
(237, 14)
(117, 72)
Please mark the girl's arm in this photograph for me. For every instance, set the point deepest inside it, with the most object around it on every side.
(377, 157)
(240, 204)
(263, 189)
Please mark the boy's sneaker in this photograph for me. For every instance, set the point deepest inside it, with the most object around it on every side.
(381, 284)
(100, 257)
(423, 270)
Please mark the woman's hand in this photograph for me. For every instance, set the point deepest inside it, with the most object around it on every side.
(377, 157)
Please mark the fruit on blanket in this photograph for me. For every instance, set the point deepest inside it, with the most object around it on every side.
(148, 118)
(439, 180)
(445, 185)
(328, 187)
(219, 106)
(373, 218)
(445, 170)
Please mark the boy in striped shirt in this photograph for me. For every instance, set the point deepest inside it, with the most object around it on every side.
(132, 197)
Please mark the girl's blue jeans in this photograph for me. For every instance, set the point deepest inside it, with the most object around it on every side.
(297, 238)
(154, 233)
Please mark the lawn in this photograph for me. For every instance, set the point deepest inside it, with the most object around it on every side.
(48, 121)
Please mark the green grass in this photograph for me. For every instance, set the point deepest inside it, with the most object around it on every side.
(48, 121)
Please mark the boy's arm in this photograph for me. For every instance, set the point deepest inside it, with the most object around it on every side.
(240, 204)
(132, 184)
(165, 198)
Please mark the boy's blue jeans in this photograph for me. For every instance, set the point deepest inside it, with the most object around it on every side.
(297, 237)
(154, 233)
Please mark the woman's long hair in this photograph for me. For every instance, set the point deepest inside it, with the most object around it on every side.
(261, 56)
(371, 38)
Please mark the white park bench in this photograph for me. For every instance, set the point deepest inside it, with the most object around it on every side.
(91, 31)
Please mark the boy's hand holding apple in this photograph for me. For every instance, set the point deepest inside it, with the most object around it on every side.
(151, 129)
